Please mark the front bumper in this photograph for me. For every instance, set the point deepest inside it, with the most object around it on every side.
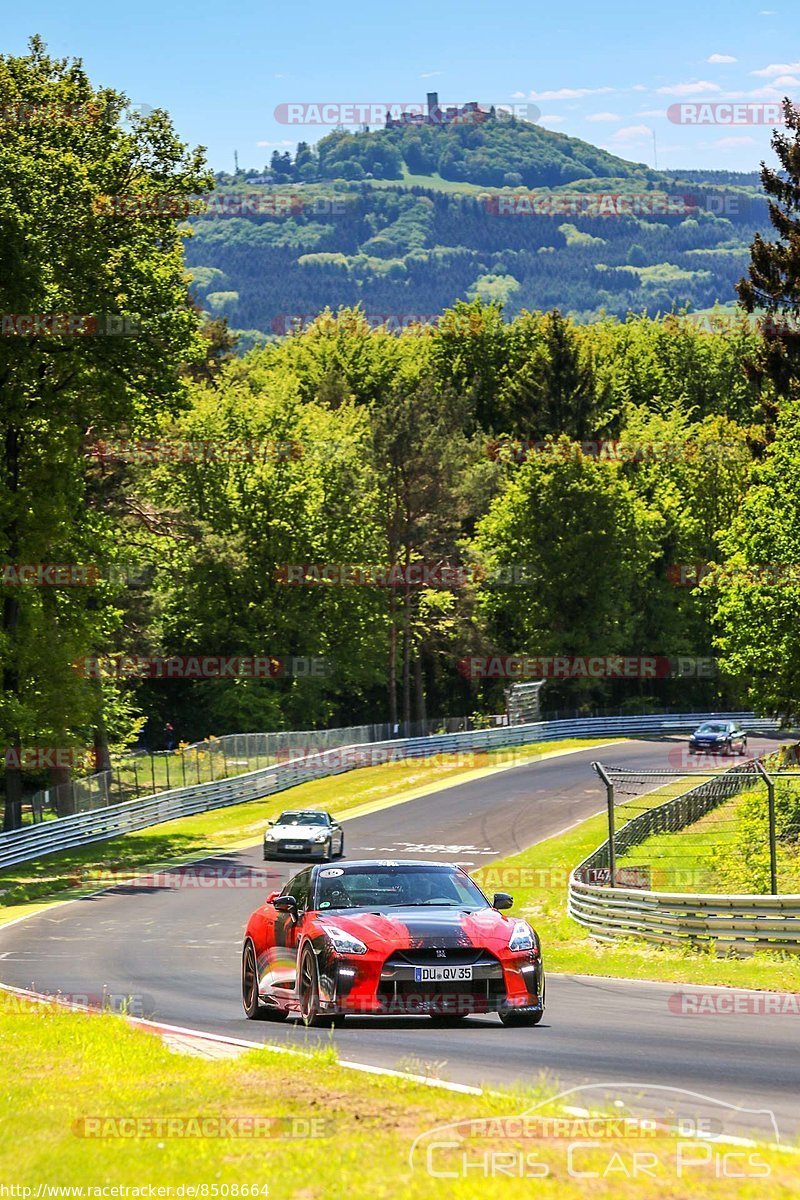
(357, 987)
(306, 850)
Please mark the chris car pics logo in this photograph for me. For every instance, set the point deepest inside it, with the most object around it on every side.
(609, 1131)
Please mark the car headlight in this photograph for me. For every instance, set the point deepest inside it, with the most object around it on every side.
(344, 943)
(320, 837)
(522, 937)
(270, 835)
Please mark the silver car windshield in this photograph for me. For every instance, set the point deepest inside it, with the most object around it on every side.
(302, 818)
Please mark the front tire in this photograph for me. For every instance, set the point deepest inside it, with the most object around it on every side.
(520, 1018)
(308, 993)
(252, 1007)
(341, 848)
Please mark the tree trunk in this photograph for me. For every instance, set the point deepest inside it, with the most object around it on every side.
(419, 688)
(392, 659)
(102, 755)
(407, 652)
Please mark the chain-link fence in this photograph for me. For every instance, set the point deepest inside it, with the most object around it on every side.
(698, 830)
(140, 774)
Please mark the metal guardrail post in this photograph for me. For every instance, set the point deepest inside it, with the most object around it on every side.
(773, 848)
(612, 853)
(136, 777)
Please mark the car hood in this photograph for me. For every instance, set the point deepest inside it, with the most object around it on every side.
(299, 832)
(424, 928)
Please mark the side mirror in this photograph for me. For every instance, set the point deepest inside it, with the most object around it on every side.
(270, 822)
(286, 904)
(272, 897)
(502, 900)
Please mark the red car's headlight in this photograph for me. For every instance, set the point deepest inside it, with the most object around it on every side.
(522, 938)
(344, 943)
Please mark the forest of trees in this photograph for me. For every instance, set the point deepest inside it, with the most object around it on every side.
(390, 506)
(417, 249)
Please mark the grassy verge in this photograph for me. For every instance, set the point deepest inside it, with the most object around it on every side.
(537, 878)
(73, 1083)
(75, 872)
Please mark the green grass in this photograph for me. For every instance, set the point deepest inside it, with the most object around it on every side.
(726, 851)
(74, 872)
(537, 878)
(71, 1076)
(685, 861)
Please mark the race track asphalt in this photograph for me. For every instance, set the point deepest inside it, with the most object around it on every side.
(175, 950)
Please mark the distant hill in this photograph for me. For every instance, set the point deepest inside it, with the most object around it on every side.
(501, 152)
(408, 220)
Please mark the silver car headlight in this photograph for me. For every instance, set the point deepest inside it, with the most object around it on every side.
(522, 937)
(320, 837)
(344, 943)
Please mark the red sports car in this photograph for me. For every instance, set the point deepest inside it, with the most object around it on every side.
(383, 938)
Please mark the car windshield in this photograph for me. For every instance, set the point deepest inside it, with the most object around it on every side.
(303, 818)
(396, 886)
(713, 727)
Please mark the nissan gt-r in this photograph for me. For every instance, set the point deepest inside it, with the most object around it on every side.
(304, 833)
(382, 938)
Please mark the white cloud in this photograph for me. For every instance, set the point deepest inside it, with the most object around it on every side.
(638, 87)
(721, 58)
(604, 116)
(689, 89)
(568, 93)
(429, 74)
(517, 95)
(730, 143)
(632, 133)
(652, 112)
(786, 81)
(553, 118)
(777, 69)
(285, 142)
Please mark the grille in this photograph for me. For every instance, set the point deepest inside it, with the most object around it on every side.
(453, 956)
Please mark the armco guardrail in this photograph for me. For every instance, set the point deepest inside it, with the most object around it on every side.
(739, 923)
(22, 845)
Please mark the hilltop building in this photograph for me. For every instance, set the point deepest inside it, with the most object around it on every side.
(455, 114)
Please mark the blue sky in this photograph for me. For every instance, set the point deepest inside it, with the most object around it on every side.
(606, 72)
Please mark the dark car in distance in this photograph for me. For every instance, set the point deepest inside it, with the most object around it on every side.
(718, 737)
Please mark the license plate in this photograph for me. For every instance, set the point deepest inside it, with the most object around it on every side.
(441, 974)
(294, 845)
